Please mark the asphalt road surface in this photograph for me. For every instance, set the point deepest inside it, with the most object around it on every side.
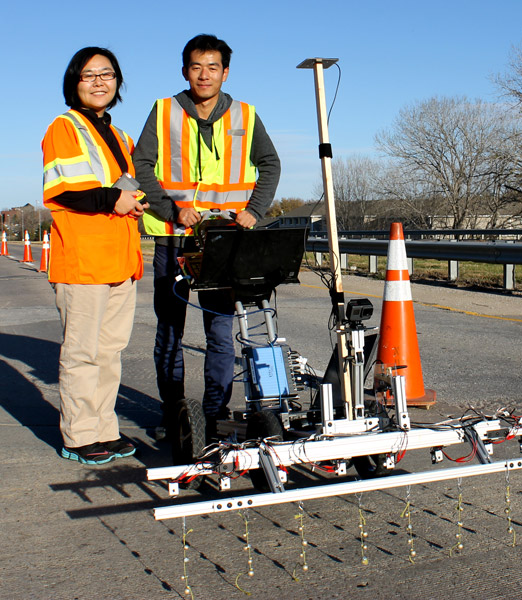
(71, 531)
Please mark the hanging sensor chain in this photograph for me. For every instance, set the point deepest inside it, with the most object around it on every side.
(304, 565)
(459, 546)
(185, 577)
(247, 548)
(406, 514)
(363, 533)
(507, 511)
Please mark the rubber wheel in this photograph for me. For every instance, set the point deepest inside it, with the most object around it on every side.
(370, 466)
(188, 435)
(261, 425)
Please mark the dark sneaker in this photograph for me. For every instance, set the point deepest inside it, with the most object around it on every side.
(92, 454)
(120, 448)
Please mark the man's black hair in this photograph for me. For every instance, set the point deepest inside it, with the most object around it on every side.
(207, 43)
(74, 69)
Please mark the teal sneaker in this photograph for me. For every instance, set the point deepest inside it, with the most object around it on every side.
(92, 454)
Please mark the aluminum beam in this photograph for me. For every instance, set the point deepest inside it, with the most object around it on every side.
(326, 491)
(337, 447)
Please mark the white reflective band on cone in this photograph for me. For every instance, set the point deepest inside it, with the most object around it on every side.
(397, 291)
(397, 256)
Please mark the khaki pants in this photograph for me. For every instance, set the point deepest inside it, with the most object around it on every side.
(97, 323)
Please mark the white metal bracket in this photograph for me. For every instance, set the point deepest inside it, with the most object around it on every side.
(224, 483)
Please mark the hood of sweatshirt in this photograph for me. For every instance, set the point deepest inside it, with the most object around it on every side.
(187, 104)
(205, 126)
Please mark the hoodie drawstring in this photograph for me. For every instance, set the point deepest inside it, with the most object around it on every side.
(200, 170)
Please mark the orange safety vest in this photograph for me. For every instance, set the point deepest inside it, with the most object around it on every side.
(194, 175)
(87, 248)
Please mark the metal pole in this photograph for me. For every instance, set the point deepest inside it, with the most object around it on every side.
(39, 223)
(325, 154)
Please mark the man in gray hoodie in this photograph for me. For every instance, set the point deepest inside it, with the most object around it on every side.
(200, 150)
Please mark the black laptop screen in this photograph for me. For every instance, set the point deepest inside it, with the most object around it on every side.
(237, 258)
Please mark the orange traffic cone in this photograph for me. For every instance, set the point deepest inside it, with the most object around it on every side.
(28, 255)
(398, 346)
(4, 251)
(44, 261)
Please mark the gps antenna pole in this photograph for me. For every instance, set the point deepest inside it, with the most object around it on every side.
(325, 154)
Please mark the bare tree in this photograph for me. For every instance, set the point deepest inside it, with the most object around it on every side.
(510, 82)
(507, 161)
(401, 200)
(283, 206)
(454, 153)
(503, 203)
(355, 188)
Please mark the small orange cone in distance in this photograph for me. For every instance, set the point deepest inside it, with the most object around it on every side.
(398, 345)
(44, 261)
(28, 255)
(3, 251)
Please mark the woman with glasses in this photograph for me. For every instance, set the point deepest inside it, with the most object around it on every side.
(95, 257)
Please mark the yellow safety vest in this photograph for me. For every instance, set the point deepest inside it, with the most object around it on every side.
(194, 175)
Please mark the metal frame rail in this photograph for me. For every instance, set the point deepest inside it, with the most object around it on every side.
(338, 447)
(326, 491)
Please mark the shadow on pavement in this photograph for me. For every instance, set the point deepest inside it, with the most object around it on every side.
(25, 401)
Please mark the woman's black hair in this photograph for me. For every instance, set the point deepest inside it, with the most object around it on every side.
(74, 69)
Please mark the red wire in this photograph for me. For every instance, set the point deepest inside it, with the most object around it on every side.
(463, 459)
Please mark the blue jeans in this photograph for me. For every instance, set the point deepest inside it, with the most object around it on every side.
(168, 351)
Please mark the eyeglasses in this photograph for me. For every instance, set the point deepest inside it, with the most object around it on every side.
(91, 77)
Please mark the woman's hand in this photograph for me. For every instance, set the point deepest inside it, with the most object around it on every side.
(128, 205)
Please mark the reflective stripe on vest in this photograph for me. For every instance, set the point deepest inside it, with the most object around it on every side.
(90, 166)
(227, 176)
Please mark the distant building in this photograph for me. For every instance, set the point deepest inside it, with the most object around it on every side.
(310, 215)
(15, 212)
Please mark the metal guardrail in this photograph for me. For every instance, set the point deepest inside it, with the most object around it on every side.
(431, 233)
(506, 253)
(500, 252)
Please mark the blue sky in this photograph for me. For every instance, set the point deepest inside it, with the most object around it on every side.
(391, 52)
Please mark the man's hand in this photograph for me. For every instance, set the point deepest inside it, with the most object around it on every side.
(245, 219)
(188, 217)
